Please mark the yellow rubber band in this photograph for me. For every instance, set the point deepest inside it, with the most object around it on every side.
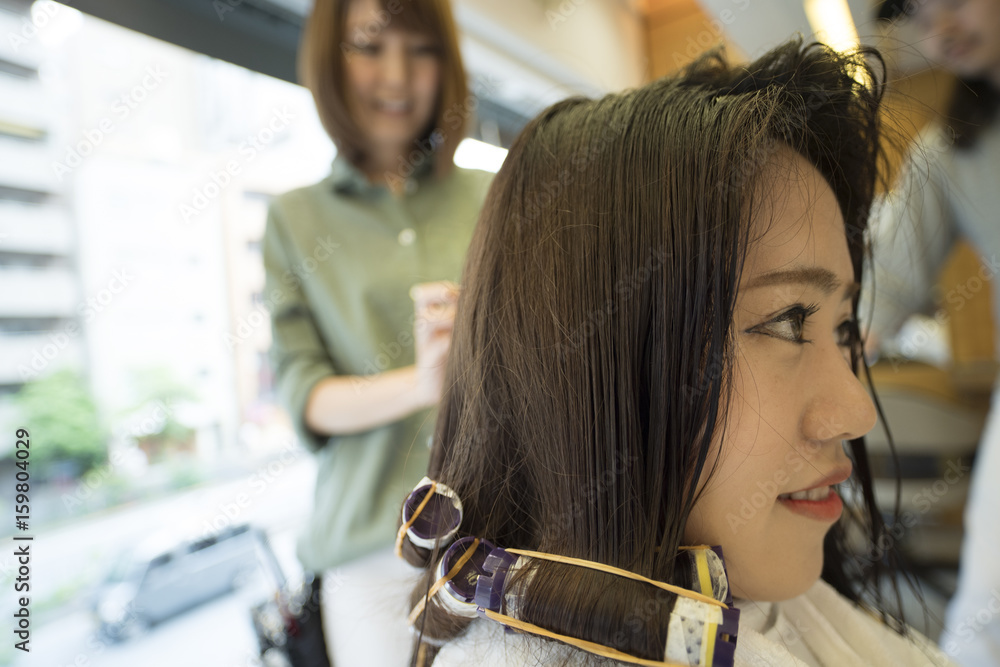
(419, 607)
(582, 644)
(406, 526)
(622, 573)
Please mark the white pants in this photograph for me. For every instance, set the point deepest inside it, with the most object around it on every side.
(365, 605)
(972, 624)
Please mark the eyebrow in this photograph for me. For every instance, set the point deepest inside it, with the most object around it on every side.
(822, 279)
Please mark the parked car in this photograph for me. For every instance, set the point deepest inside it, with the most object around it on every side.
(157, 581)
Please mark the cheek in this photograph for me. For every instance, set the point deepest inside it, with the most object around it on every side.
(728, 487)
(427, 81)
(359, 74)
(980, 21)
(737, 508)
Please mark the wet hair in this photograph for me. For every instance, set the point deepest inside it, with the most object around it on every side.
(321, 61)
(591, 356)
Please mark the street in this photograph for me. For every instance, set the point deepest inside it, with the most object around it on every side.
(219, 632)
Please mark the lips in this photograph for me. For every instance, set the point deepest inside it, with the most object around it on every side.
(819, 501)
(829, 509)
(818, 493)
(839, 475)
(393, 107)
(956, 50)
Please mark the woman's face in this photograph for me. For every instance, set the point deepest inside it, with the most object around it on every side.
(794, 396)
(961, 35)
(393, 77)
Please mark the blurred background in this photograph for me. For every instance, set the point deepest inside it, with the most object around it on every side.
(140, 142)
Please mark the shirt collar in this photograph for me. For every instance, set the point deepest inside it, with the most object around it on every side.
(346, 178)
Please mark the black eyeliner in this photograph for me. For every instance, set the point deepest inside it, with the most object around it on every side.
(797, 311)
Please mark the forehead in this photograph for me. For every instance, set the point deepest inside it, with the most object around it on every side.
(919, 8)
(375, 16)
(798, 220)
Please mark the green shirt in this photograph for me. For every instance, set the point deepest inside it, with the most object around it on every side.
(340, 257)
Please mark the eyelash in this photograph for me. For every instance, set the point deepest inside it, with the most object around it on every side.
(847, 331)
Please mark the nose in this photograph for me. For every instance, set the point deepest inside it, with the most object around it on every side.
(395, 66)
(840, 407)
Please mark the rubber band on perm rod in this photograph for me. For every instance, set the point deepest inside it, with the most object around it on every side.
(582, 644)
(459, 564)
(416, 513)
(622, 573)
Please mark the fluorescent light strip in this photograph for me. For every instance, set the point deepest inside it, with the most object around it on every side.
(473, 154)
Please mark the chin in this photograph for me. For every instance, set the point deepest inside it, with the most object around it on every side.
(778, 589)
(779, 581)
(968, 70)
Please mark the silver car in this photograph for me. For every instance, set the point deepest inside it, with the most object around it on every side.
(149, 586)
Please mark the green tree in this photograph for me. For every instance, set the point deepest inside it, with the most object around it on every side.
(158, 393)
(59, 412)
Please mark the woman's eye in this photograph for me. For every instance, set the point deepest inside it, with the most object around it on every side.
(848, 334)
(788, 325)
(425, 50)
(366, 49)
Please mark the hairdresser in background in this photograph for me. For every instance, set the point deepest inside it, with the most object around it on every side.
(951, 188)
(357, 368)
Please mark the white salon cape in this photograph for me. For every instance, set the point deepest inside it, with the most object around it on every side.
(817, 629)
(944, 194)
(365, 605)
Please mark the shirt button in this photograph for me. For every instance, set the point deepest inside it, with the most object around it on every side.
(407, 237)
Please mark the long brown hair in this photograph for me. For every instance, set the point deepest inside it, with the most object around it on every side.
(321, 70)
(591, 353)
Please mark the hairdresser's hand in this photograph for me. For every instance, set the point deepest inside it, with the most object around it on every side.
(434, 306)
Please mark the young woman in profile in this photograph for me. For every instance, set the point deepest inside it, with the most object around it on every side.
(655, 353)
